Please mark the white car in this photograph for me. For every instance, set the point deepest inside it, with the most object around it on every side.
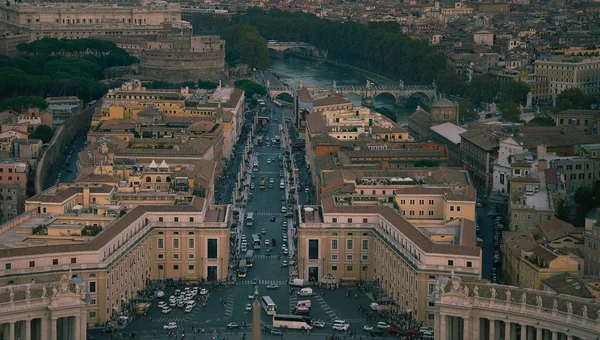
(203, 291)
(367, 328)
(263, 231)
(340, 325)
(170, 325)
(180, 304)
(248, 307)
(188, 308)
(318, 323)
(191, 303)
(172, 303)
(166, 310)
(383, 325)
(162, 304)
(160, 294)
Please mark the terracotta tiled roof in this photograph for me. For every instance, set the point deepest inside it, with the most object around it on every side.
(555, 229)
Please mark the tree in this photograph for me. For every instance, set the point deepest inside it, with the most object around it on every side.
(250, 88)
(573, 98)
(451, 83)
(21, 104)
(562, 213)
(206, 84)
(510, 112)
(44, 133)
(483, 89)
(245, 41)
(514, 91)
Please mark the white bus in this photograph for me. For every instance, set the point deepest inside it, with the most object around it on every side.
(249, 219)
(269, 306)
(291, 321)
(255, 241)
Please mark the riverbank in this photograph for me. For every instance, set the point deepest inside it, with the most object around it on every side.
(374, 77)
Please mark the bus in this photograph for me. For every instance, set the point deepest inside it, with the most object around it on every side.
(249, 219)
(256, 241)
(291, 321)
(242, 269)
(249, 258)
(269, 306)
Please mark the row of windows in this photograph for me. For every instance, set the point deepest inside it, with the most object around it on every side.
(349, 257)
(421, 202)
(211, 245)
(176, 267)
(335, 220)
(349, 244)
(175, 256)
(55, 262)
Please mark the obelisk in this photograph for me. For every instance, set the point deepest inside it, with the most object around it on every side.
(256, 316)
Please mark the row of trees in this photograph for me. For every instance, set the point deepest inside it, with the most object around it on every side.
(250, 88)
(52, 67)
(377, 47)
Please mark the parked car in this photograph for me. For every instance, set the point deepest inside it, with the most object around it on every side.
(166, 310)
(273, 286)
(233, 325)
(275, 331)
(248, 307)
(383, 325)
(318, 323)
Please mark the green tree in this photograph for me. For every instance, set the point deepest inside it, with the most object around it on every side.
(44, 133)
(451, 83)
(514, 91)
(250, 88)
(483, 89)
(246, 41)
(573, 98)
(206, 84)
(510, 112)
(22, 103)
(562, 213)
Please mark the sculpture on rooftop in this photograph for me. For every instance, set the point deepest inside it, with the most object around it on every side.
(555, 305)
(508, 296)
(64, 284)
(54, 292)
(466, 291)
(538, 302)
(569, 308)
(523, 298)
(584, 312)
(27, 293)
(44, 292)
(493, 294)
(476, 291)
(11, 294)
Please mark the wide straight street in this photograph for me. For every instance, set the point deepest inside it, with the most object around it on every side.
(228, 304)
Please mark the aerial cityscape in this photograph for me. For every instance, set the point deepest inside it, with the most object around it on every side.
(340, 170)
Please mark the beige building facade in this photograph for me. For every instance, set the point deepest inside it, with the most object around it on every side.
(115, 257)
(372, 242)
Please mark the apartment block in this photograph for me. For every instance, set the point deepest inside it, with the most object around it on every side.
(374, 242)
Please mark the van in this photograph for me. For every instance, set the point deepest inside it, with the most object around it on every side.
(297, 283)
(340, 325)
(303, 304)
(305, 292)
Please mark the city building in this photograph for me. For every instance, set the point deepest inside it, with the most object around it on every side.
(9, 42)
(585, 121)
(508, 147)
(543, 262)
(564, 72)
(480, 310)
(114, 249)
(479, 150)
(369, 240)
(83, 20)
(568, 284)
(12, 200)
(448, 134)
(591, 250)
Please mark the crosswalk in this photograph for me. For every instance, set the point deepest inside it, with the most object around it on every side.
(262, 256)
(262, 282)
(229, 307)
(330, 312)
(167, 319)
(267, 173)
(293, 302)
(268, 214)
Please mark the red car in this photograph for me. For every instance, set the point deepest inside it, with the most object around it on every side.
(393, 330)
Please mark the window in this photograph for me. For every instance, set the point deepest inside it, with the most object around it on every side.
(176, 256)
(365, 244)
(160, 219)
(161, 267)
(334, 257)
(411, 213)
(421, 213)
(349, 257)
(175, 267)
(31, 264)
(458, 208)
(402, 201)
(450, 262)
(73, 260)
(349, 268)
(7, 266)
(92, 314)
(313, 249)
(469, 264)
(212, 248)
(190, 267)
(334, 220)
(161, 243)
(160, 256)
(333, 268)
(191, 256)
(176, 219)
(365, 257)
(421, 202)
(176, 243)
(334, 244)
(54, 262)
(431, 288)
(430, 212)
(412, 202)
(365, 220)
(451, 208)
(501, 178)
(349, 220)
(349, 244)
(191, 219)
(191, 243)
(92, 288)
